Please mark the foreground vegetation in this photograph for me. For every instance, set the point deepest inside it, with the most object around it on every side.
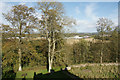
(97, 71)
(94, 71)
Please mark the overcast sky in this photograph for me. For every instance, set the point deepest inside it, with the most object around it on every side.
(85, 13)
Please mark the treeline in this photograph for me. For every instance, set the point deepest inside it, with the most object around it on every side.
(34, 35)
(89, 52)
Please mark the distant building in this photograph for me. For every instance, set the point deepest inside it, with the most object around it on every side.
(86, 36)
(105, 35)
(77, 37)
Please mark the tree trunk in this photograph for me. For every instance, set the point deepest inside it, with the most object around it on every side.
(49, 52)
(116, 58)
(49, 45)
(53, 52)
(19, 52)
(84, 57)
(101, 57)
(50, 66)
(101, 54)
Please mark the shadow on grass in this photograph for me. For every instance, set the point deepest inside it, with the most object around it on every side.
(9, 75)
(63, 74)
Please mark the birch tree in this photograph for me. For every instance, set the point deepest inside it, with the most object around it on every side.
(21, 19)
(52, 23)
(104, 26)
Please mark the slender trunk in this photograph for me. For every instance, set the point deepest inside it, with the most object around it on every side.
(50, 67)
(84, 57)
(19, 52)
(28, 36)
(101, 58)
(49, 45)
(116, 51)
(53, 52)
(116, 58)
(49, 52)
(101, 54)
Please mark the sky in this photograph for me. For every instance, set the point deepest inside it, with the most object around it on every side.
(85, 14)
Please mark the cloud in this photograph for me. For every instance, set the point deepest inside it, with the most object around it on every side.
(90, 11)
(77, 10)
(114, 17)
(89, 23)
(85, 26)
